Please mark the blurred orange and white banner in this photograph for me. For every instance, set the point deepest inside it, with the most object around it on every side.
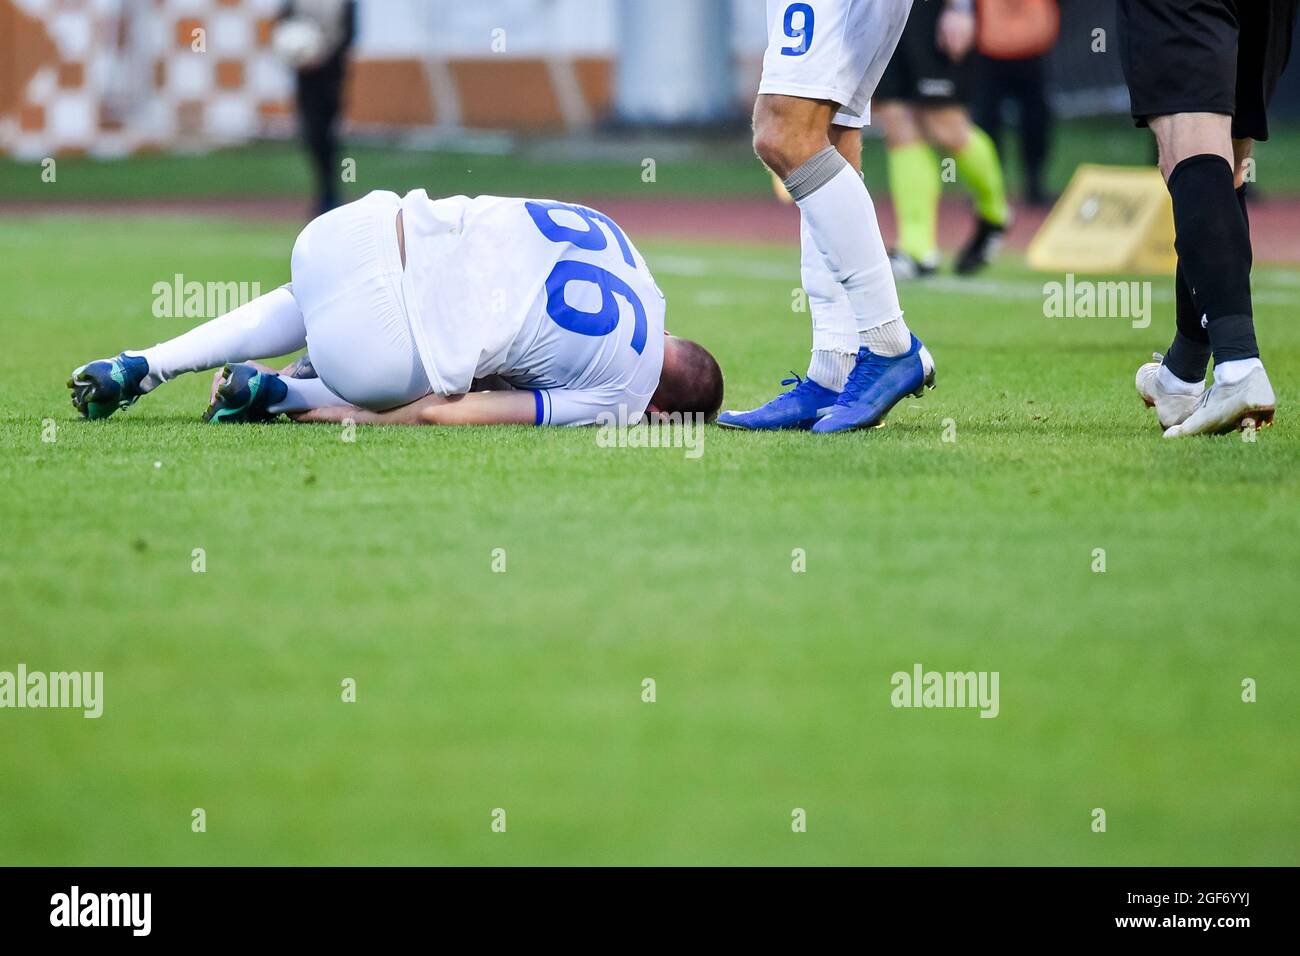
(112, 77)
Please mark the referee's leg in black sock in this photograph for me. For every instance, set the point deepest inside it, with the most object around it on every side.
(1213, 244)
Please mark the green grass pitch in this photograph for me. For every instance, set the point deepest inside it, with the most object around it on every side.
(521, 690)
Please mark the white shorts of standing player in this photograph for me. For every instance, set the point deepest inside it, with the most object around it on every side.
(347, 280)
(854, 41)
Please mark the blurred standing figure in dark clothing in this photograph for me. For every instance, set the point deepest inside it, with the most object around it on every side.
(314, 37)
(1014, 39)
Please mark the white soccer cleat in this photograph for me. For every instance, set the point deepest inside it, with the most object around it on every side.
(1172, 408)
(1249, 403)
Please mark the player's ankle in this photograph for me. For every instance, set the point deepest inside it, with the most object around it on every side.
(1172, 384)
(1232, 372)
(830, 368)
(153, 378)
(889, 339)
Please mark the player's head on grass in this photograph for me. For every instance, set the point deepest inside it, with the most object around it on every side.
(691, 380)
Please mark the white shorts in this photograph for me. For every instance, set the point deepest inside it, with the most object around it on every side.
(347, 279)
(832, 50)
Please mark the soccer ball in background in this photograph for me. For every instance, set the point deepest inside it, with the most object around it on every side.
(299, 41)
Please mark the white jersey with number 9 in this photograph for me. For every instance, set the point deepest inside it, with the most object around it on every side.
(833, 50)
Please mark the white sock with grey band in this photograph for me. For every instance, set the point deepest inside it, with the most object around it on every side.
(841, 218)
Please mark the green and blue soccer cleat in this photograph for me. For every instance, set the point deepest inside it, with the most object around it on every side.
(101, 388)
(244, 395)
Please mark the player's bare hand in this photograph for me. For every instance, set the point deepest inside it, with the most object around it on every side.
(334, 414)
(956, 33)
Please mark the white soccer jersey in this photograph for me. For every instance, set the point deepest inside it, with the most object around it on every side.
(550, 296)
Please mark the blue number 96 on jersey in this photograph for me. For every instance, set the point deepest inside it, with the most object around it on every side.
(593, 239)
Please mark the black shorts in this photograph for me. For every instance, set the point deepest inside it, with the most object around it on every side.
(919, 72)
(1205, 56)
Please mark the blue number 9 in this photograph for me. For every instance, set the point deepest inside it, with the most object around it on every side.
(805, 32)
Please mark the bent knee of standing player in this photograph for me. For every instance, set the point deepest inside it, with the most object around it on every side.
(1180, 136)
(790, 130)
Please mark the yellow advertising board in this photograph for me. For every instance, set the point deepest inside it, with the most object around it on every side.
(1110, 219)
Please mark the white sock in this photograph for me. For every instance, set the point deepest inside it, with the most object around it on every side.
(1171, 383)
(833, 325)
(889, 338)
(834, 202)
(304, 394)
(831, 369)
(1230, 373)
(835, 335)
(270, 325)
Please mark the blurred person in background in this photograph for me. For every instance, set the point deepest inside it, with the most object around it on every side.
(129, 82)
(314, 37)
(921, 102)
(1012, 43)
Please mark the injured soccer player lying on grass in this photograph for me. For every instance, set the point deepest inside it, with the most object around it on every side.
(457, 311)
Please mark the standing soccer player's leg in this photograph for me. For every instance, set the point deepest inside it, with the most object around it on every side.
(1212, 238)
(1201, 76)
(788, 130)
(978, 167)
(841, 220)
(791, 136)
(915, 182)
(1214, 253)
(835, 330)
(810, 76)
(979, 170)
(1182, 368)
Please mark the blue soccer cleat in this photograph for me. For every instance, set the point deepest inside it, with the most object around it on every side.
(876, 385)
(244, 395)
(797, 408)
(101, 388)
